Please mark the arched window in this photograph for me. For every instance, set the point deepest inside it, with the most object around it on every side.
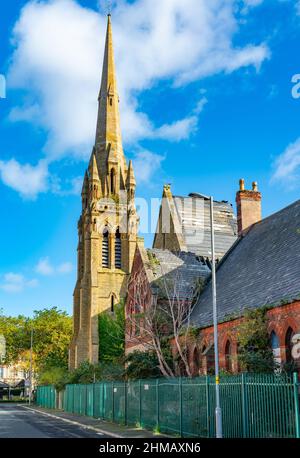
(275, 347)
(112, 303)
(228, 356)
(118, 250)
(289, 345)
(112, 181)
(105, 248)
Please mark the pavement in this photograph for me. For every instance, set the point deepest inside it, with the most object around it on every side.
(20, 421)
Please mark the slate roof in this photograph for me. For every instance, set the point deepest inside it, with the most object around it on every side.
(262, 268)
(183, 268)
(196, 225)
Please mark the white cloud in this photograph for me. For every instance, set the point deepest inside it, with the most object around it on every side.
(287, 165)
(57, 58)
(146, 164)
(28, 180)
(183, 41)
(44, 267)
(65, 268)
(15, 283)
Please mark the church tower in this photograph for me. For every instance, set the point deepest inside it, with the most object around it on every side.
(107, 227)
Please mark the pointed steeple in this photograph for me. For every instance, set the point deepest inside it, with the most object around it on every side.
(130, 180)
(94, 178)
(108, 142)
(93, 168)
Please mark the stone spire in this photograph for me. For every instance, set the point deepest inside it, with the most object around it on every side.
(130, 180)
(93, 168)
(108, 142)
(94, 179)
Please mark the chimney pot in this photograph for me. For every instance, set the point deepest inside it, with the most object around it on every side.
(254, 186)
(242, 184)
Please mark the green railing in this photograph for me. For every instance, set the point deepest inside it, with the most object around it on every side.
(253, 405)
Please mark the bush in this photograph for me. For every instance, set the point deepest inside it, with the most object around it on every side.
(56, 376)
(255, 353)
(141, 365)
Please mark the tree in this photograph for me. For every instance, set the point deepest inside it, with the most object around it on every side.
(15, 332)
(52, 334)
(52, 330)
(255, 353)
(57, 376)
(160, 315)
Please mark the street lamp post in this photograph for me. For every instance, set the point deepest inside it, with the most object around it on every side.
(218, 411)
(30, 368)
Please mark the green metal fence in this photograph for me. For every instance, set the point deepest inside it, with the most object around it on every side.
(46, 397)
(253, 405)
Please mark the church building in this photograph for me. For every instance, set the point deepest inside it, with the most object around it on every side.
(107, 227)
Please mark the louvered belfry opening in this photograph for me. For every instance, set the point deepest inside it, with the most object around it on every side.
(118, 250)
(105, 248)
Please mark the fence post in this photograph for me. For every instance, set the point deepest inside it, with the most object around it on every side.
(207, 406)
(244, 407)
(157, 404)
(113, 401)
(296, 401)
(180, 406)
(125, 402)
(94, 398)
(140, 396)
(102, 400)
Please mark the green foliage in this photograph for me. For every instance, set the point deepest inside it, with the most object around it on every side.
(153, 261)
(57, 376)
(52, 330)
(85, 373)
(52, 335)
(141, 365)
(255, 353)
(156, 430)
(112, 335)
(89, 373)
(17, 335)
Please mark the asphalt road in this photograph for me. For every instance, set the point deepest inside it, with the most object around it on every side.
(18, 422)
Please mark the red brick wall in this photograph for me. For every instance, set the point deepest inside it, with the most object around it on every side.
(279, 321)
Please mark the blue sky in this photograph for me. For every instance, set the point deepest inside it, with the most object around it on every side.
(206, 98)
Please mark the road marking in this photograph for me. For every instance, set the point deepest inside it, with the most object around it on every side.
(72, 422)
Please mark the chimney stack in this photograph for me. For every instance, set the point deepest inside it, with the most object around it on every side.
(248, 206)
